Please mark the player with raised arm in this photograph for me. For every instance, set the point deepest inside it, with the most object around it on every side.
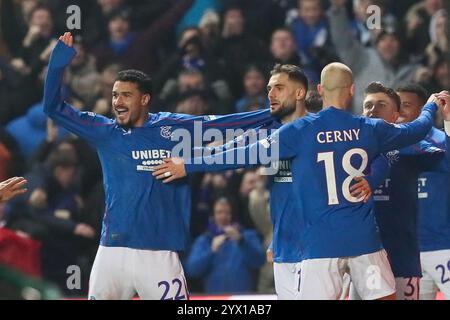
(396, 195)
(146, 223)
(433, 199)
(339, 231)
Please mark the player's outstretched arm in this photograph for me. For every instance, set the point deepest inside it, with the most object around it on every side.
(391, 137)
(85, 125)
(237, 121)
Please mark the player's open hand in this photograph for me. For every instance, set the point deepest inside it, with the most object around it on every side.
(67, 38)
(170, 170)
(12, 188)
(444, 105)
(361, 189)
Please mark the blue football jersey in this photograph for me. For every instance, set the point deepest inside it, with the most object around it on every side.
(434, 198)
(396, 206)
(141, 212)
(286, 240)
(327, 151)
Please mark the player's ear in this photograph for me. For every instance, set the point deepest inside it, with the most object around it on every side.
(352, 90)
(300, 93)
(146, 99)
(320, 90)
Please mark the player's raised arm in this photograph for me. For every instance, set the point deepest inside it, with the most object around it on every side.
(444, 96)
(86, 125)
(397, 136)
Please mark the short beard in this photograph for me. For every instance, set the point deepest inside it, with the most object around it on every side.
(284, 111)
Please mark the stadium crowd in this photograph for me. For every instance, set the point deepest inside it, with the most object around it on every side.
(205, 57)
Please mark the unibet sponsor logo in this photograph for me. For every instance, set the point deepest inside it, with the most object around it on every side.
(150, 158)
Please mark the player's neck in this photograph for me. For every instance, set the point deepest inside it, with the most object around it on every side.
(299, 112)
(337, 103)
(142, 120)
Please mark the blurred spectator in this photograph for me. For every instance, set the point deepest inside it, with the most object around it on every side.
(194, 15)
(193, 102)
(136, 49)
(360, 9)
(226, 257)
(254, 90)
(191, 58)
(11, 162)
(96, 22)
(15, 13)
(210, 187)
(272, 12)
(313, 101)
(439, 45)
(89, 165)
(82, 77)
(30, 130)
(439, 77)
(418, 20)
(103, 103)
(311, 33)
(56, 205)
(209, 27)
(260, 214)
(284, 50)
(37, 44)
(384, 63)
(238, 48)
(17, 92)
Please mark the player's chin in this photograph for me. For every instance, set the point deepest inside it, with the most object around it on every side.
(122, 121)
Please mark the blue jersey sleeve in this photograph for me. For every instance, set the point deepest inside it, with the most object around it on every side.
(426, 153)
(392, 137)
(379, 171)
(279, 145)
(244, 120)
(87, 125)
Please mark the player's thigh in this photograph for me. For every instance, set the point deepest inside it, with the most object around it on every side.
(372, 276)
(428, 288)
(111, 275)
(407, 288)
(437, 265)
(159, 275)
(346, 286)
(321, 279)
(287, 280)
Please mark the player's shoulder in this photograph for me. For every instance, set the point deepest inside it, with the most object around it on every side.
(167, 118)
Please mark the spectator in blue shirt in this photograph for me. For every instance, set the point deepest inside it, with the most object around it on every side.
(226, 257)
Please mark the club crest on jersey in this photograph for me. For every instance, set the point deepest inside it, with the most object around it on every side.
(166, 132)
(393, 156)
